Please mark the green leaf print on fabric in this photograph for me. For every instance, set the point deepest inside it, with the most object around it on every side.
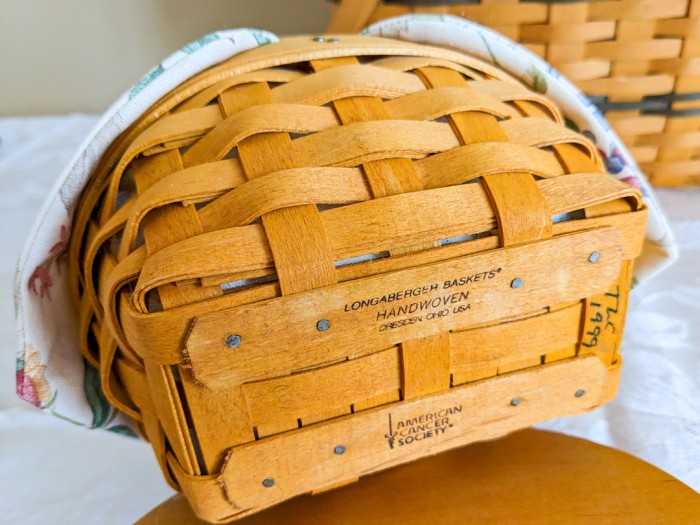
(571, 124)
(199, 43)
(538, 82)
(261, 37)
(494, 60)
(123, 430)
(101, 409)
(150, 77)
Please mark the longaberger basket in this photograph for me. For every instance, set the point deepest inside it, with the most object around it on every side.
(638, 60)
(327, 256)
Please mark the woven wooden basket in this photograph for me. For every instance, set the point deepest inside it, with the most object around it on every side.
(327, 256)
(638, 60)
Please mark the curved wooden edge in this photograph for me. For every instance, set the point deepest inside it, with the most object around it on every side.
(529, 477)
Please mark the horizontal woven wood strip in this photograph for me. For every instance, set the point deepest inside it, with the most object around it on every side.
(351, 236)
(383, 139)
(208, 181)
(358, 330)
(267, 118)
(176, 131)
(435, 103)
(303, 395)
(503, 91)
(568, 32)
(165, 346)
(309, 392)
(301, 186)
(209, 94)
(480, 348)
(407, 63)
(353, 80)
(179, 128)
(145, 330)
(469, 162)
(635, 49)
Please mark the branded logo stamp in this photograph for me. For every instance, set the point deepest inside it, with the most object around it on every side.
(426, 302)
(426, 426)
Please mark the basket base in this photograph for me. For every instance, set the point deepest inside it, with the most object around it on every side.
(529, 477)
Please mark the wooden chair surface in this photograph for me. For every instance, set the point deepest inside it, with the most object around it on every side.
(529, 477)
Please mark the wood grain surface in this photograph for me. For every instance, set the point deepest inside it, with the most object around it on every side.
(531, 477)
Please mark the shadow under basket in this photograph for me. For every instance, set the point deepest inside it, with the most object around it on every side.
(637, 60)
(324, 257)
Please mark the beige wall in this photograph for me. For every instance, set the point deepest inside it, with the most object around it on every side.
(59, 56)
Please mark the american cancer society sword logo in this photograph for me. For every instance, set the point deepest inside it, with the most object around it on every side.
(426, 426)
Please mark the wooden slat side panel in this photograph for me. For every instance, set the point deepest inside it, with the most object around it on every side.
(397, 434)
(527, 339)
(148, 339)
(334, 386)
(455, 294)
(353, 230)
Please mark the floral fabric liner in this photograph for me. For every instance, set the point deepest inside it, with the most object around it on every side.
(52, 375)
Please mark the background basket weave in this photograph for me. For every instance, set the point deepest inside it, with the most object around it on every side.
(639, 61)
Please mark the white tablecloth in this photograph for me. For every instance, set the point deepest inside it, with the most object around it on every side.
(52, 472)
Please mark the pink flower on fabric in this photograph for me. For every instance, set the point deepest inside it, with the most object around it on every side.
(633, 181)
(32, 386)
(59, 250)
(26, 388)
(40, 282)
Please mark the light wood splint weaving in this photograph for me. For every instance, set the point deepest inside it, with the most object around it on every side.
(327, 256)
(638, 60)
